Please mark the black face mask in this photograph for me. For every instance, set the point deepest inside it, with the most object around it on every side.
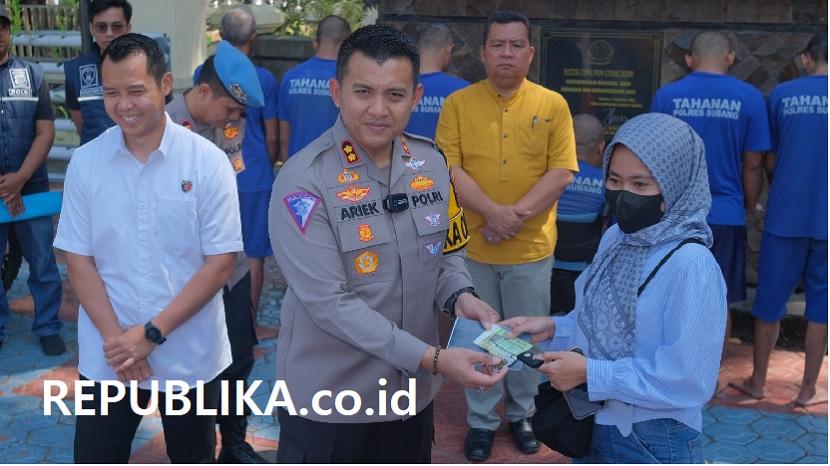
(634, 211)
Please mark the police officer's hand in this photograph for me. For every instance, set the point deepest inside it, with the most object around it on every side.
(502, 223)
(472, 308)
(15, 205)
(11, 184)
(140, 371)
(127, 349)
(459, 364)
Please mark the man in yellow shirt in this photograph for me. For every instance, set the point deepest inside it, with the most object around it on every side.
(510, 144)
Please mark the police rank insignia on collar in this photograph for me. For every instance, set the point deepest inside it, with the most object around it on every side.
(231, 132)
(238, 93)
(353, 193)
(349, 152)
(433, 219)
(347, 176)
(366, 263)
(415, 164)
(301, 205)
(421, 183)
(187, 185)
(405, 146)
(435, 248)
(364, 232)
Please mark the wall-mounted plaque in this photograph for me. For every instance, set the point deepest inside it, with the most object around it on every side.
(609, 74)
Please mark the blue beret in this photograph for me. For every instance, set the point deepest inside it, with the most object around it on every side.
(238, 75)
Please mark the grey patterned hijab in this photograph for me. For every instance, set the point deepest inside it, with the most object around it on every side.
(674, 154)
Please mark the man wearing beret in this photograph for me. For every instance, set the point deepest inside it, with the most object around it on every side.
(226, 85)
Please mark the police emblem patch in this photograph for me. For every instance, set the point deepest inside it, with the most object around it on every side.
(347, 176)
(421, 183)
(349, 152)
(353, 193)
(364, 232)
(20, 78)
(187, 185)
(415, 164)
(301, 205)
(238, 93)
(366, 263)
(433, 219)
(231, 132)
(89, 76)
(435, 248)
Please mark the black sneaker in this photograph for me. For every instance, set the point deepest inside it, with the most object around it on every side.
(240, 454)
(52, 345)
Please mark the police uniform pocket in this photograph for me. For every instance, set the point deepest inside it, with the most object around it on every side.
(371, 265)
(177, 225)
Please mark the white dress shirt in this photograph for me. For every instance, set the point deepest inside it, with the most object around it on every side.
(149, 227)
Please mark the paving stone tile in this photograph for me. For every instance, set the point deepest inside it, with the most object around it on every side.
(778, 428)
(732, 433)
(24, 454)
(51, 436)
(729, 453)
(813, 460)
(813, 424)
(733, 416)
(815, 444)
(776, 451)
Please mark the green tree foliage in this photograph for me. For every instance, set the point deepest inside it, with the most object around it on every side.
(301, 16)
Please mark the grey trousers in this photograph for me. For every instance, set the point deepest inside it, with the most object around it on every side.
(513, 291)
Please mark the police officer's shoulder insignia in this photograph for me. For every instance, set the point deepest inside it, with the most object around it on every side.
(347, 176)
(301, 205)
(405, 146)
(349, 152)
(366, 263)
(365, 233)
(353, 193)
(421, 183)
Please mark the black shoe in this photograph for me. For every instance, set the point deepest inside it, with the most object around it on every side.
(478, 444)
(523, 435)
(240, 454)
(53, 345)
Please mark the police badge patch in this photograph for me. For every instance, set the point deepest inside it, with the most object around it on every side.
(20, 78)
(89, 76)
(301, 205)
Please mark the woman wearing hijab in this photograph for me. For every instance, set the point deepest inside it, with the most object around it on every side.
(651, 357)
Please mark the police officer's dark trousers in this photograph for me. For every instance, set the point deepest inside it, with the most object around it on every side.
(242, 337)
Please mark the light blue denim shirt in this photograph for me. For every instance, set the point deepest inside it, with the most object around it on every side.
(680, 324)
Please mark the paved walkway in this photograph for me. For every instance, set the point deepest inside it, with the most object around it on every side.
(737, 429)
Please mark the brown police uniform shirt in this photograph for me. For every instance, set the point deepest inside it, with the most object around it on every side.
(365, 286)
(177, 109)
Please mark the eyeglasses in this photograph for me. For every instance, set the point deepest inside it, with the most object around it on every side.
(116, 28)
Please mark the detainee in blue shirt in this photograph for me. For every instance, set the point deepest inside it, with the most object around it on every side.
(652, 357)
(579, 219)
(794, 244)
(731, 118)
(305, 106)
(435, 45)
(83, 89)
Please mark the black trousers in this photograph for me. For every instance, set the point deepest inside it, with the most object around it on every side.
(242, 337)
(562, 293)
(108, 438)
(305, 441)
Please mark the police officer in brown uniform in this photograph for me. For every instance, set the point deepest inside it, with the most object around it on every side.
(227, 84)
(365, 227)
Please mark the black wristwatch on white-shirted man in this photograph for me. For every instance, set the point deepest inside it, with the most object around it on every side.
(153, 334)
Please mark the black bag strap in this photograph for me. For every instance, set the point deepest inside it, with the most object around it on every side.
(666, 258)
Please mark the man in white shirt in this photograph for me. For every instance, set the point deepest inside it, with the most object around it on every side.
(150, 224)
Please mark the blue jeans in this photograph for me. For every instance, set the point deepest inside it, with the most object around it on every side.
(655, 441)
(35, 237)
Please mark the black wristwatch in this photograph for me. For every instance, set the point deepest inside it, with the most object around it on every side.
(449, 306)
(153, 334)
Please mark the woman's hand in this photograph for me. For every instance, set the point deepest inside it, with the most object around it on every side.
(564, 369)
(539, 328)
